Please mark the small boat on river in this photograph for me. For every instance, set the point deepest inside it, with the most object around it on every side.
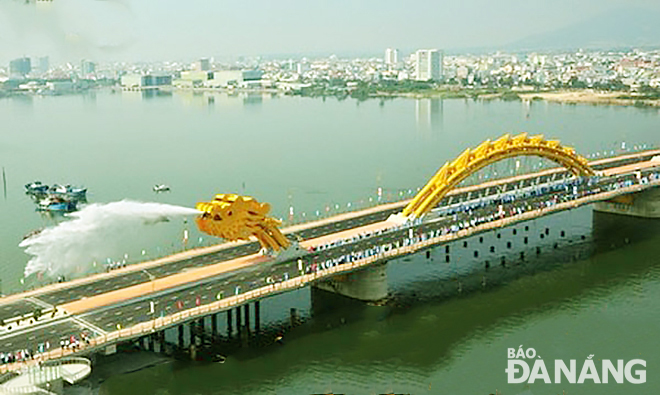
(161, 188)
(56, 197)
(36, 187)
(69, 192)
(57, 204)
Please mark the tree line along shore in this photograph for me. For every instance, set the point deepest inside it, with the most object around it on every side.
(643, 97)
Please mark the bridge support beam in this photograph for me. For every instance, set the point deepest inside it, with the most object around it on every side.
(239, 324)
(247, 318)
(368, 284)
(181, 343)
(230, 328)
(645, 204)
(160, 338)
(192, 328)
(257, 317)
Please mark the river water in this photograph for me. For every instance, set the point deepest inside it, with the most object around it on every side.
(319, 157)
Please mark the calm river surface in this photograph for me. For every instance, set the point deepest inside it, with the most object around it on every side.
(318, 157)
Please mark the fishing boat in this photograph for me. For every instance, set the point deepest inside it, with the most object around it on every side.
(161, 188)
(35, 188)
(56, 198)
(57, 204)
(69, 192)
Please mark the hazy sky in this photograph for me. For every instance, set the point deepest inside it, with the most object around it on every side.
(184, 30)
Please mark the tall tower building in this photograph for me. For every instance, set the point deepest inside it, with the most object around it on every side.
(391, 56)
(87, 67)
(428, 65)
(43, 65)
(203, 64)
(20, 67)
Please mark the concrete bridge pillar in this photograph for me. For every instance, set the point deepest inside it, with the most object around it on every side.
(239, 324)
(230, 328)
(181, 342)
(368, 284)
(247, 318)
(160, 338)
(645, 204)
(214, 325)
(191, 328)
(257, 317)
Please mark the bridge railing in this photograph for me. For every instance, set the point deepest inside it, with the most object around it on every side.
(302, 280)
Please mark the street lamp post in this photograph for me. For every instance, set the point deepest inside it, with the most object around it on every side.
(152, 278)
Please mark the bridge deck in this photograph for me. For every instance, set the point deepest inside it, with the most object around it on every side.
(20, 307)
(60, 293)
(194, 278)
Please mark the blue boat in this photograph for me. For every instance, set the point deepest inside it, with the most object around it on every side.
(68, 192)
(55, 203)
(36, 188)
(56, 198)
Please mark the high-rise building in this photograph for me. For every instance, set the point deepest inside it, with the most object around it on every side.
(204, 64)
(87, 67)
(391, 56)
(428, 65)
(43, 64)
(20, 67)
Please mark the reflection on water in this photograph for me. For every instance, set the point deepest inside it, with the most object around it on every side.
(156, 93)
(428, 116)
(26, 101)
(250, 99)
(614, 231)
(202, 99)
(89, 98)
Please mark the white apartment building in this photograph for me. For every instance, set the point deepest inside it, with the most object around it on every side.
(391, 56)
(428, 65)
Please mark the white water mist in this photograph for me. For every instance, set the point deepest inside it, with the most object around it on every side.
(94, 233)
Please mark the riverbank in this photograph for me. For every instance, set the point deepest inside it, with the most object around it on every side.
(581, 96)
(425, 90)
(589, 96)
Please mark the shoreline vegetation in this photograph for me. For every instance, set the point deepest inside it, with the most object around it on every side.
(649, 98)
(645, 98)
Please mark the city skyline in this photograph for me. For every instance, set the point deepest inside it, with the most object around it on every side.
(147, 30)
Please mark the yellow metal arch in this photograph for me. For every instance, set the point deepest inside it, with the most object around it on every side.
(489, 152)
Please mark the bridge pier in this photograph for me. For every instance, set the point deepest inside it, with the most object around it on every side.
(214, 325)
(246, 309)
(181, 342)
(257, 318)
(293, 317)
(230, 329)
(239, 324)
(191, 326)
(368, 284)
(645, 204)
(160, 339)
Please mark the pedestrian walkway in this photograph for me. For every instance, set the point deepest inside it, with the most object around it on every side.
(38, 378)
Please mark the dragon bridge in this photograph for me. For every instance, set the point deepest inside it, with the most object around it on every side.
(489, 152)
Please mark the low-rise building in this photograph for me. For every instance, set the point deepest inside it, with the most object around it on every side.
(236, 78)
(137, 81)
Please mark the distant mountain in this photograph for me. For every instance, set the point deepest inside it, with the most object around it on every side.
(617, 28)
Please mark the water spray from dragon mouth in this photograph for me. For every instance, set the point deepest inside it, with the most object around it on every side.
(95, 232)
